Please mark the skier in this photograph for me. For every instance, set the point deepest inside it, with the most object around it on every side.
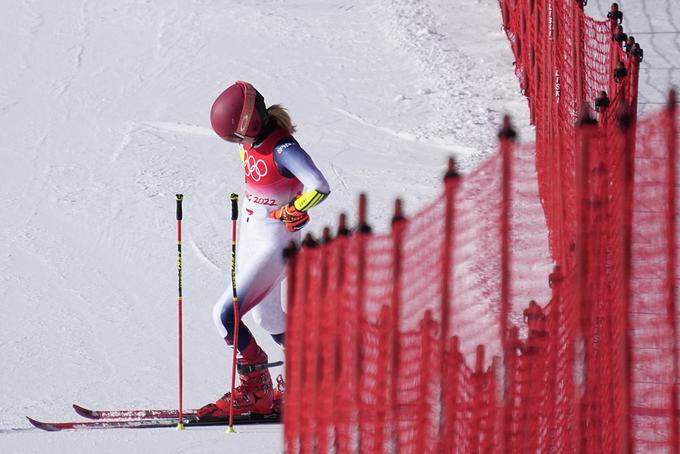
(282, 184)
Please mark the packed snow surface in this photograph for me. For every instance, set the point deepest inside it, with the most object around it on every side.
(104, 109)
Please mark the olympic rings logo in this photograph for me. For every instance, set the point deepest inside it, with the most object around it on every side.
(255, 169)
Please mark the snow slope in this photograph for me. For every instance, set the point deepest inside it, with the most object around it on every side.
(104, 107)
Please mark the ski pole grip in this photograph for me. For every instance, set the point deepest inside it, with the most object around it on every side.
(234, 206)
(179, 198)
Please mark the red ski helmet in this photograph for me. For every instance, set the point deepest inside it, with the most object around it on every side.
(238, 111)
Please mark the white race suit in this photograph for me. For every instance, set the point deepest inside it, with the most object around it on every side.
(277, 170)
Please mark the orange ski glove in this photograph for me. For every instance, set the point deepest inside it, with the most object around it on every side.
(291, 217)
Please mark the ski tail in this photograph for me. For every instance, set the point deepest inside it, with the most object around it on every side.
(43, 425)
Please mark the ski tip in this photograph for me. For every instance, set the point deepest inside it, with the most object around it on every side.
(43, 425)
(84, 412)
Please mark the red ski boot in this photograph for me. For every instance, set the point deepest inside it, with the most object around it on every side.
(254, 395)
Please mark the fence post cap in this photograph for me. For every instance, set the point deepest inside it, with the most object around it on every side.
(451, 170)
(363, 225)
(309, 241)
(290, 250)
(672, 99)
(507, 131)
(326, 236)
(398, 215)
(342, 225)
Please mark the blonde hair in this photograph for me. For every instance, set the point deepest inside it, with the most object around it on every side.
(279, 115)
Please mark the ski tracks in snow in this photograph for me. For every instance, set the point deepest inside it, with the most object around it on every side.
(403, 135)
(464, 94)
(175, 133)
(77, 50)
(198, 250)
(135, 127)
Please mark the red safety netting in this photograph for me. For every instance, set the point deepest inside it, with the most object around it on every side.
(653, 314)
(532, 306)
(396, 340)
(385, 328)
(565, 61)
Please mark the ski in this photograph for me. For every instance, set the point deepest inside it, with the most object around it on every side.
(151, 423)
(143, 413)
(131, 414)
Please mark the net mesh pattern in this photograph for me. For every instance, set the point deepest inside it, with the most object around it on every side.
(531, 307)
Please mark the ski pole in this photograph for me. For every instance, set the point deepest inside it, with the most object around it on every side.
(179, 197)
(234, 217)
